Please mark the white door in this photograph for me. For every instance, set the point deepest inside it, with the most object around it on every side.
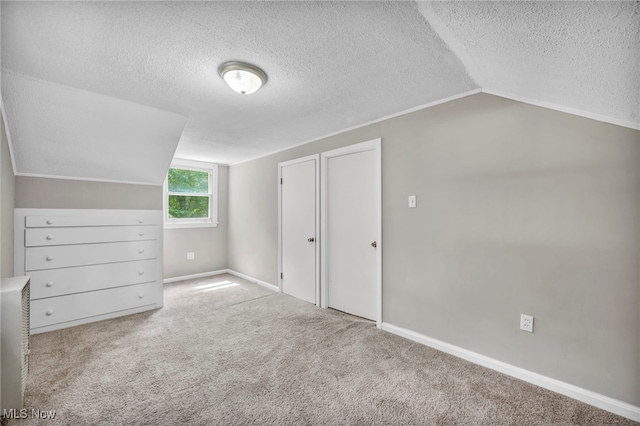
(352, 188)
(298, 224)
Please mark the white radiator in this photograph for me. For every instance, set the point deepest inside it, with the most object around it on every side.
(14, 349)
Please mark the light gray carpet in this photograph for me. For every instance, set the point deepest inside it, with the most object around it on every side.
(241, 354)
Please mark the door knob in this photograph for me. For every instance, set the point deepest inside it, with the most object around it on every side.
(374, 244)
(311, 239)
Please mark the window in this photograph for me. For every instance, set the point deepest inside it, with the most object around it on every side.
(191, 195)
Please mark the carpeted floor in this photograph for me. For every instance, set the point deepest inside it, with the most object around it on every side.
(228, 352)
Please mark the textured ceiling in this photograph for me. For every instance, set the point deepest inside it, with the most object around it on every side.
(581, 55)
(331, 66)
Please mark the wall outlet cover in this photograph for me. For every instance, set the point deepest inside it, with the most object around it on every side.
(191, 255)
(526, 323)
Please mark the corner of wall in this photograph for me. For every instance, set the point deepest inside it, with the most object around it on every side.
(7, 136)
(7, 199)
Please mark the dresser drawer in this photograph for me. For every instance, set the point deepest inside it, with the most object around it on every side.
(37, 258)
(57, 282)
(54, 221)
(105, 234)
(59, 309)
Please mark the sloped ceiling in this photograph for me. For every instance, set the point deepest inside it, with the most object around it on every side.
(134, 72)
(580, 55)
(67, 132)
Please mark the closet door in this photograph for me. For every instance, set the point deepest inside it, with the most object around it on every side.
(299, 252)
(351, 226)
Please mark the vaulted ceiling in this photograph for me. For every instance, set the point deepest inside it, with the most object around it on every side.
(112, 90)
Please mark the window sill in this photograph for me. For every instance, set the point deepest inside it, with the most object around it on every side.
(190, 225)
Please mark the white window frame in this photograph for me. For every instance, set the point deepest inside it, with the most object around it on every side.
(212, 220)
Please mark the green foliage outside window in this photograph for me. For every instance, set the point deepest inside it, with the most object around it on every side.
(191, 181)
(192, 204)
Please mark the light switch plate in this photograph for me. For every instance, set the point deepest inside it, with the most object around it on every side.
(412, 201)
(191, 255)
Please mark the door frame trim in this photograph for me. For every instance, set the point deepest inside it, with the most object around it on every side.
(371, 145)
(315, 157)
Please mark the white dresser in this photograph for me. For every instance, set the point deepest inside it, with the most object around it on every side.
(88, 265)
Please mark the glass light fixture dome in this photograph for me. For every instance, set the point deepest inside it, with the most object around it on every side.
(241, 77)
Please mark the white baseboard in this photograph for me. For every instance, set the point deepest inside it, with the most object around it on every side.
(592, 398)
(254, 280)
(223, 271)
(194, 276)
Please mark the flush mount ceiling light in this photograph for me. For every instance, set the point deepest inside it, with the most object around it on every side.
(242, 78)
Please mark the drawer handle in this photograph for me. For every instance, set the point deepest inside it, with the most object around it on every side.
(49, 284)
(141, 295)
(49, 312)
(49, 237)
(140, 272)
(141, 234)
(141, 251)
(50, 222)
(49, 258)
(141, 221)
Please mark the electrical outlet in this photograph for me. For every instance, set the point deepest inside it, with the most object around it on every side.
(526, 323)
(412, 201)
(191, 255)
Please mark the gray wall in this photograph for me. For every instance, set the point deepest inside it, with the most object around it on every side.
(521, 209)
(209, 244)
(47, 193)
(7, 190)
